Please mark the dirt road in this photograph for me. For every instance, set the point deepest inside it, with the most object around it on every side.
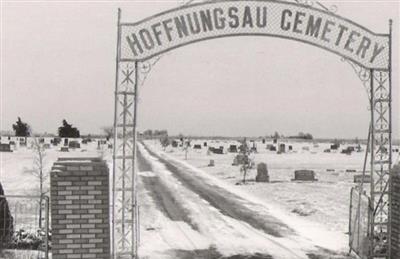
(232, 213)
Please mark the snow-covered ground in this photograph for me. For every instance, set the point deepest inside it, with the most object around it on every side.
(318, 210)
(15, 166)
(190, 210)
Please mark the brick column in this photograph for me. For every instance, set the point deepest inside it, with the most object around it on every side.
(80, 208)
(395, 212)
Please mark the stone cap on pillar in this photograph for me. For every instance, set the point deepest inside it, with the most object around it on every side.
(77, 164)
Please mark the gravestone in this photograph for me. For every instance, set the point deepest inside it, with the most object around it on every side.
(219, 150)
(358, 178)
(174, 143)
(239, 159)
(56, 141)
(304, 175)
(197, 146)
(5, 148)
(6, 220)
(64, 149)
(80, 210)
(263, 140)
(66, 142)
(335, 146)
(22, 142)
(212, 163)
(205, 144)
(74, 144)
(282, 148)
(254, 147)
(275, 141)
(327, 150)
(347, 151)
(290, 148)
(232, 149)
(262, 173)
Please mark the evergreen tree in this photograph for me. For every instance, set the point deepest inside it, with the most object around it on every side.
(21, 128)
(67, 131)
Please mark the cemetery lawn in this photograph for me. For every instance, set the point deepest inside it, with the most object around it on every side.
(190, 210)
(318, 211)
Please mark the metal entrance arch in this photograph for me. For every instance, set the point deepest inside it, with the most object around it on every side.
(141, 44)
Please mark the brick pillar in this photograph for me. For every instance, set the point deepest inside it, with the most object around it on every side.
(80, 208)
(395, 212)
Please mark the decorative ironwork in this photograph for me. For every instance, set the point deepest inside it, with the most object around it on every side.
(381, 161)
(130, 75)
(124, 189)
(363, 74)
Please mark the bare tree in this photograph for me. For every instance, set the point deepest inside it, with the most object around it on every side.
(38, 171)
(109, 131)
(246, 160)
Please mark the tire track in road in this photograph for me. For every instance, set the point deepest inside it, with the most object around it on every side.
(231, 205)
(162, 196)
(226, 202)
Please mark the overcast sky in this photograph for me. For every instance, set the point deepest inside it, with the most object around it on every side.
(58, 61)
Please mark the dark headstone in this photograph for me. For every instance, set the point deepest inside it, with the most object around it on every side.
(174, 143)
(218, 151)
(304, 175)
(327, 150)
(282, 148)
(5, 148)
(232, 149)
(56, 141)
(262, 173)
(290, 148)
(64, 149)
(6, 220)
(74, 144)
(65, 142)
(212, 163)
(197, 146)
(335, 146)
(263, 140)
(347, 151)
(205, 144)
(275, 141)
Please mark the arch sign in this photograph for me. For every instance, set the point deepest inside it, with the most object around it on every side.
(140, 44)
(204, 21)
